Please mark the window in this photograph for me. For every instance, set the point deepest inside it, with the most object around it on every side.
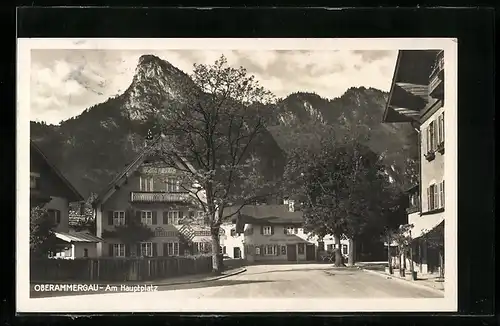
(33, 180)
(85, 253)
(267, 230)
(344, 249)
(118, 218)
(440, 135)
(171, 249)
(233, 232)
(321, 246)
(147, 217)
(146, 183)
(171, 217)
(172, 185)
(433, 197)
(269, 250)
(119, 250)
(283, 250)
(329, 247)
(147, 249)
(290, 230)
(54, 215)
(257, 250)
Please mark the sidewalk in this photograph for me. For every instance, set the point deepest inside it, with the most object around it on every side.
(429, 281)
(188, 279)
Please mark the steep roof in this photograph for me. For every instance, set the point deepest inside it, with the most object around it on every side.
(131, 168)
(74, 195)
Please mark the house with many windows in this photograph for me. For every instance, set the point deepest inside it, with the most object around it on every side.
(417, 97)
(152, 194)
(275, 233)
(50, 190)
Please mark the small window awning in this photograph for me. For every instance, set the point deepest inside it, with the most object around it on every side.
(78, 237)
(426, 224)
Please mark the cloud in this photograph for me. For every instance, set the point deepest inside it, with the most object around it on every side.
(66, 82)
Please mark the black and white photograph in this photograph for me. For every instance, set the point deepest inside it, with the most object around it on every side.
(236, 175)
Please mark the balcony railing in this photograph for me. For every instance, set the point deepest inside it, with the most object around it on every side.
(158, 197)
(436, 78)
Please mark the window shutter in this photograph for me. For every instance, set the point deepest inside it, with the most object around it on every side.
(127, 217)
(154, 219)
(155, 249)
(181, 215)
(127, 250)
(110, 217)
(165, 249)
(442, 127)
(111, 253)
(284, 230)
(138, 249)
(272, 230)
(429, 207)
(277, 248)
(165, 217)
(138, 216)
(261, 229)
(442, 190)
(295, 230)
(262, 250)
(426, 136)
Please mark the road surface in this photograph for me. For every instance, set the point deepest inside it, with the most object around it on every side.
(292, 281)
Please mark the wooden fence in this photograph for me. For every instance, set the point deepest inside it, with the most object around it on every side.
(117, 270)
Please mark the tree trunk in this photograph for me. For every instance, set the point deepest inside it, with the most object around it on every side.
(217, 265)
(389, 257)
(338, 252)
(351, 260)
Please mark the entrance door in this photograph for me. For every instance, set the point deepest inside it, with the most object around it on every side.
(291, 252)
(236, 252)
(310, 255)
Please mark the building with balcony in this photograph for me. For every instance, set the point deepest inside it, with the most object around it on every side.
(275, 233)
(417, 97)
(50, 190)
(152, 194)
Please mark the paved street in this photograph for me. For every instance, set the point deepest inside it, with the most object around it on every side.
(293, 281)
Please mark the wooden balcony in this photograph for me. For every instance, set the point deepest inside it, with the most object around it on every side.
(436, 78)
(158, 197)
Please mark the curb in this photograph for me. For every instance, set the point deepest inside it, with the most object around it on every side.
(421, 286)
(214, 278)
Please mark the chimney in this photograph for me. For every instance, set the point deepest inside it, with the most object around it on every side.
(291, 205)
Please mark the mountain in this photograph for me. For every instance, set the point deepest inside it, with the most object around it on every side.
(91, 148)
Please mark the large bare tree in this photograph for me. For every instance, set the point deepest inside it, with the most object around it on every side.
(215, 131)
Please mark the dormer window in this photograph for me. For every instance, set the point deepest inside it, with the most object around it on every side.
(34, 180)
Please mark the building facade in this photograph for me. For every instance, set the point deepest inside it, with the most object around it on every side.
(274, 233)
(50, 190)
(153, 195)
(417, 97)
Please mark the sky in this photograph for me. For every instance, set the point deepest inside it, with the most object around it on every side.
(66, 82)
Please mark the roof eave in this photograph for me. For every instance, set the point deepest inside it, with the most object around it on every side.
(77, 197)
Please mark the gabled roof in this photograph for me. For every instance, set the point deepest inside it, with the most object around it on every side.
(131, 168)
(74, 194)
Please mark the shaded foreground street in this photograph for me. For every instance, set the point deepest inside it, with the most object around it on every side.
(288, 281)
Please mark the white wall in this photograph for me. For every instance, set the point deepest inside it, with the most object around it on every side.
(231, 242)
